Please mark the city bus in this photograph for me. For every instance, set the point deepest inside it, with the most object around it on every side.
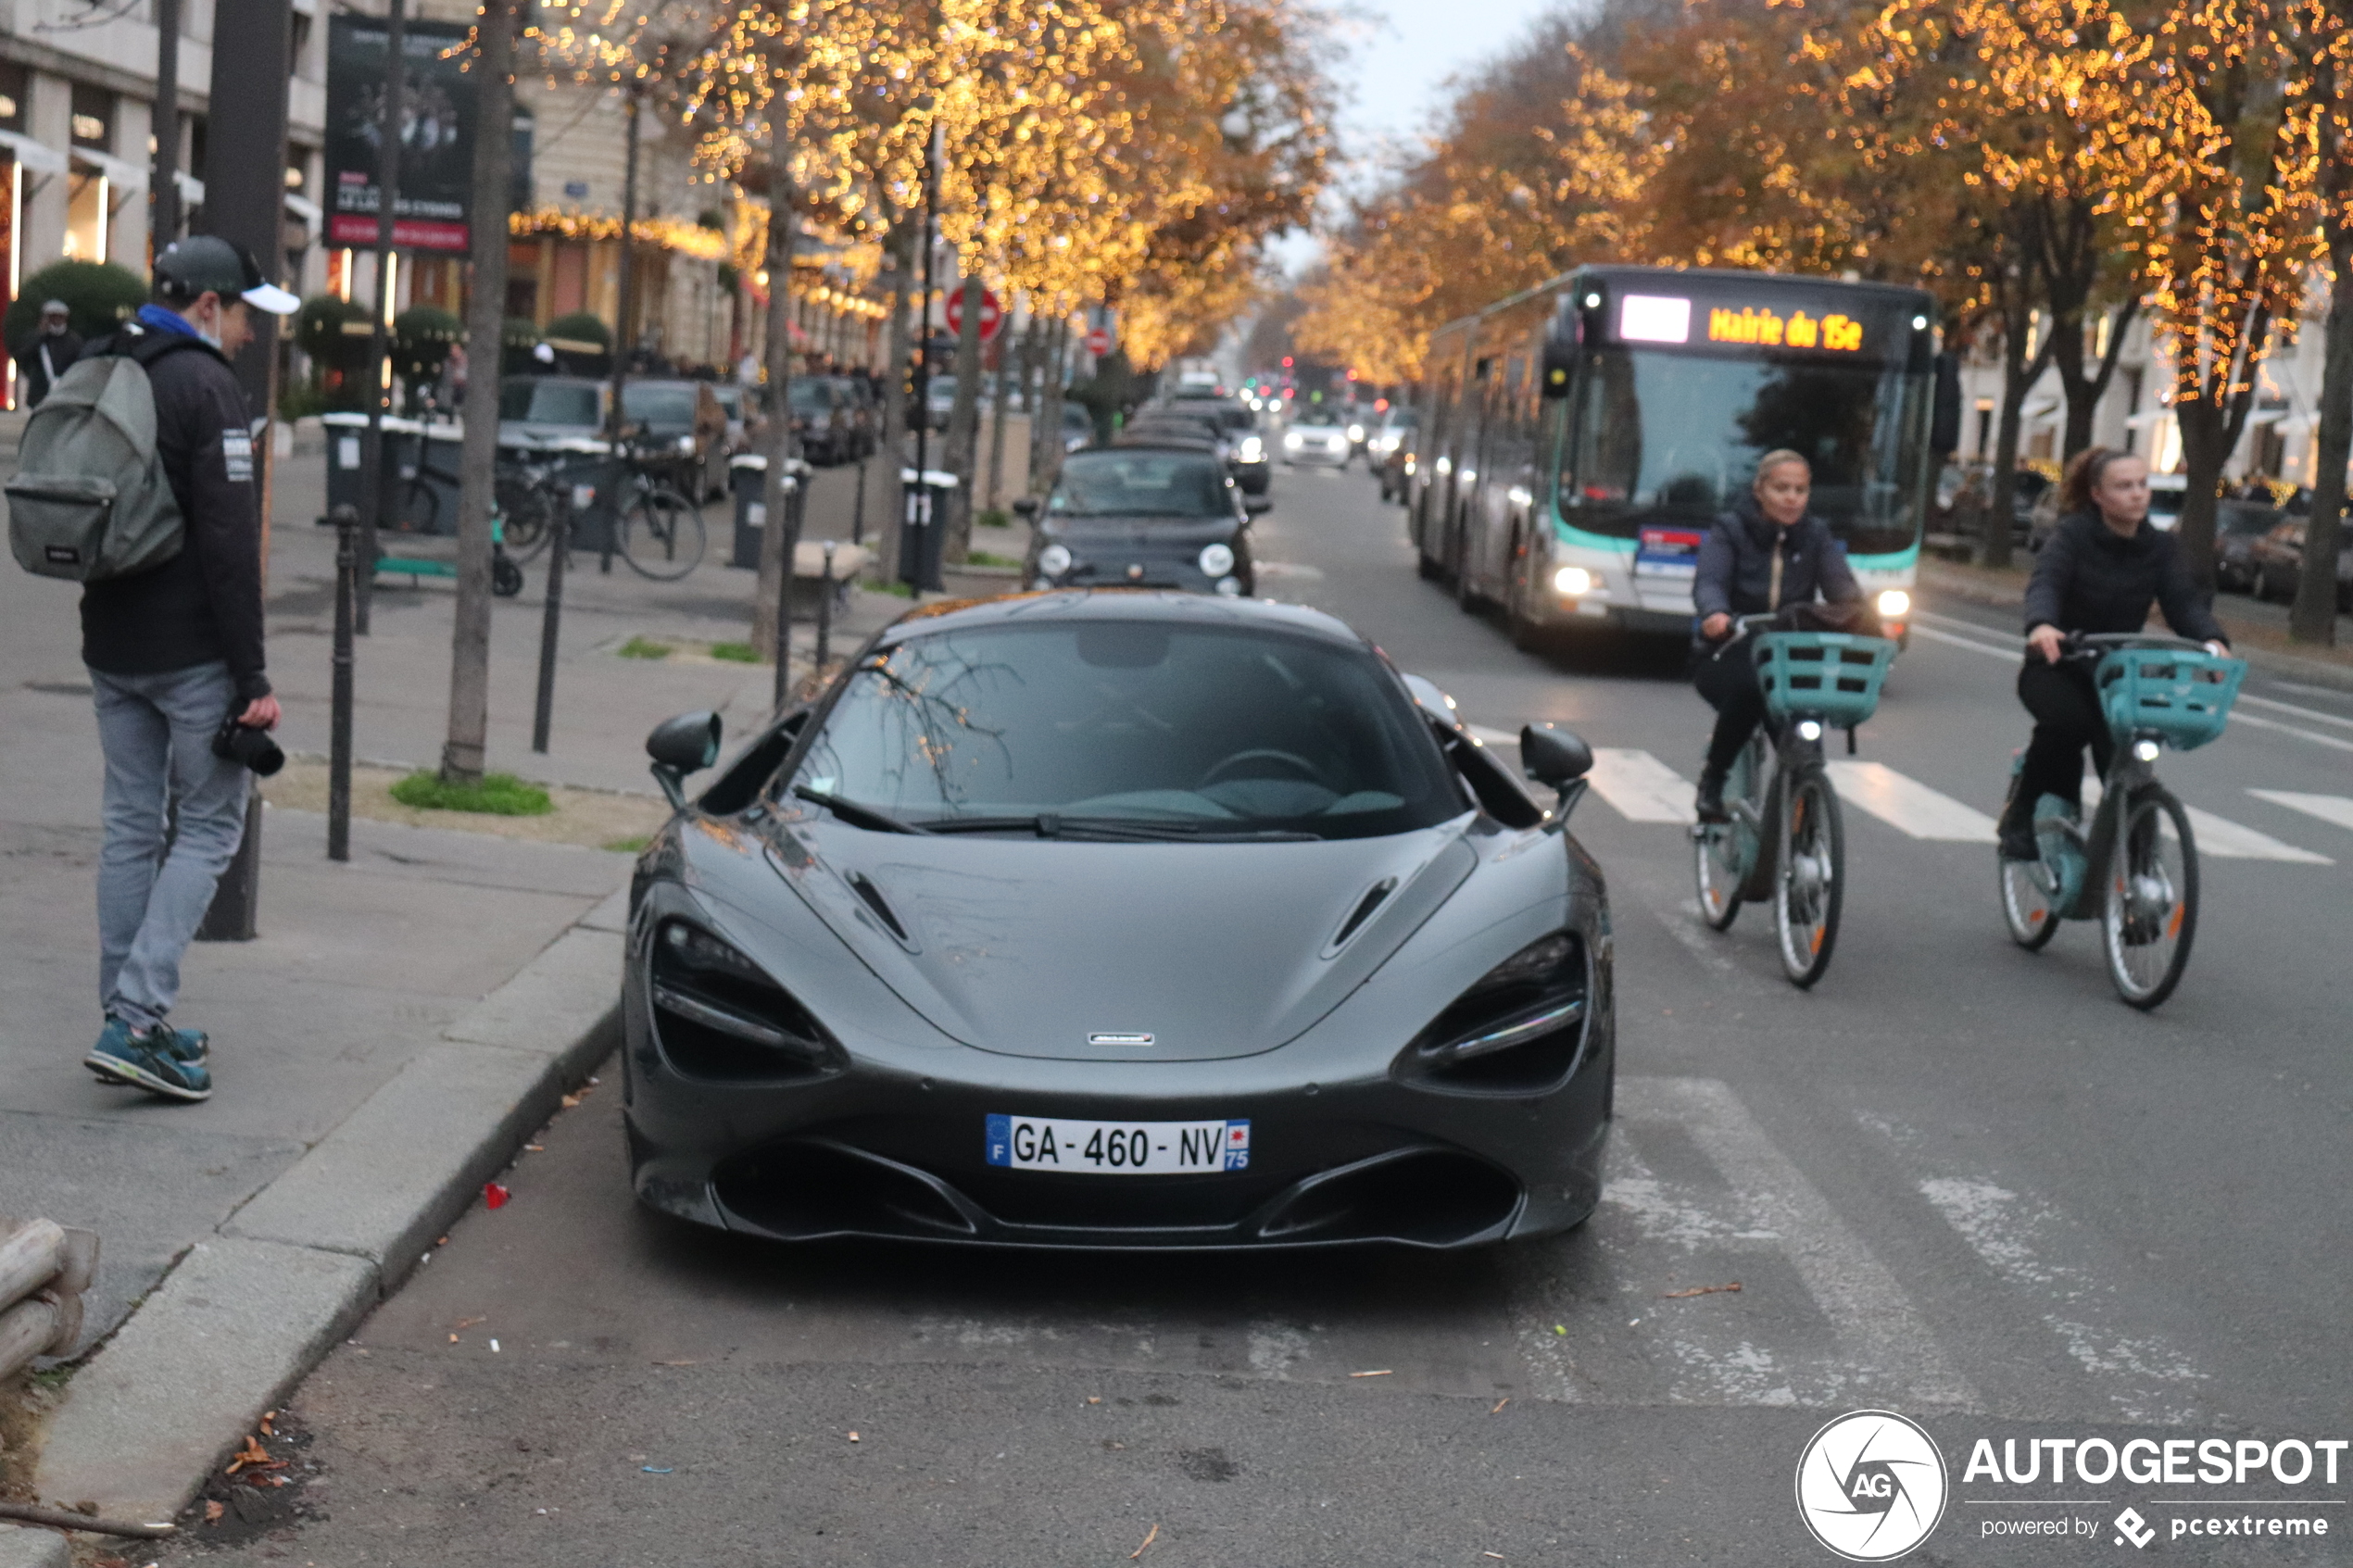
(1578, 439)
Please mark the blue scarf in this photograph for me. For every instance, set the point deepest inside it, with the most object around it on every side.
(163, 320)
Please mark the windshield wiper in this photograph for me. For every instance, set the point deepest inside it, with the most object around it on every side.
(856, 815)
(1051, 825)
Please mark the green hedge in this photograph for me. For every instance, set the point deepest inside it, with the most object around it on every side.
(101, 295)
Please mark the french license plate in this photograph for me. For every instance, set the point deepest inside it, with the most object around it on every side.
(1668, 552)
(1117, 1148)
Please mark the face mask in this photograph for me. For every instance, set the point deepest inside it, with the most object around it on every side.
(208, 331)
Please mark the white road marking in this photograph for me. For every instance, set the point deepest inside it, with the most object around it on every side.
(1643, 788)
(2332, 742)
(1934, 635)
(2312, 713)
(2334, 809)
(2220, 838)
(1883, 1342)
(1281, 568)
(1909, 805)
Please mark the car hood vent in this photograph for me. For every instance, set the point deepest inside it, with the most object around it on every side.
(1029, 948)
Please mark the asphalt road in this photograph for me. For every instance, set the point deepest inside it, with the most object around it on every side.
(1955, 1181)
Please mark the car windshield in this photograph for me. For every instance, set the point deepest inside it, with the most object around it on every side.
(1120, 483)
(2246, 518)
(1672, 438)
(811, 397)
(670, 406)
(2166, 500)
(548, 403)
(1215, 729)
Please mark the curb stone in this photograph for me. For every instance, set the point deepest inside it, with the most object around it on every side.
(248, 1311)
(23, 1548)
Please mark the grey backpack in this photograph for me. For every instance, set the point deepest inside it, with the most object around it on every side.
(90, 500)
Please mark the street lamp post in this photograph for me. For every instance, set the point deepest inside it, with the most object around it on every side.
(617, 425)
(371, 447)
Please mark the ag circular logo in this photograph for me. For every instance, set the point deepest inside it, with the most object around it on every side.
(1871, 1486)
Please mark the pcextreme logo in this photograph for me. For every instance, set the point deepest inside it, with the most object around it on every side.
(1871, 1486)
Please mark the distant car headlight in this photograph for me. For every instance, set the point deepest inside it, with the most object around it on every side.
(687, 444)
(1274, 406)
(1355, 433)
(1252, 448)
(1053, 560)
(1894, 604)
(1216, 559)
(1573, 581)
(1293, 442)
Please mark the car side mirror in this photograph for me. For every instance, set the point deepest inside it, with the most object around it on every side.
(687, 744)
(1025, 504)
(1559, 758)
(1257, 506)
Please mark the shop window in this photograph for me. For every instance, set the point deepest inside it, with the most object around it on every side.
(92, 119)
(15, 91)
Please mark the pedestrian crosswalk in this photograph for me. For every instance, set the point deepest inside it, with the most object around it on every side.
(1642, 788)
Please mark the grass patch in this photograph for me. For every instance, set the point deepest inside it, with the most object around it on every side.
(734, 653)
(498, 794)
(995, 517)
(643, 648)
(630, 846)
(896, 590)
(983, 557)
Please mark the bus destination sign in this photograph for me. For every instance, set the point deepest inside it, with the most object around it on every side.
(1769, 328)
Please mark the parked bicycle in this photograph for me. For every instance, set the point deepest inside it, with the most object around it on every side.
(657, 531)
(2135, 867)
(1786, 840)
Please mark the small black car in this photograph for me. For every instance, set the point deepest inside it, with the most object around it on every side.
(1143, 516)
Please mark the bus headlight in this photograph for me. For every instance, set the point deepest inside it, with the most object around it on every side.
(1573, 581)
(1252, 449)
(1894, 604)
(1053, 560)
(1216, 559)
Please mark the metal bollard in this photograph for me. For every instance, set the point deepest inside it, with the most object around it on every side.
(576, 498)
(858, 512)
(339, 720)
(825, 607)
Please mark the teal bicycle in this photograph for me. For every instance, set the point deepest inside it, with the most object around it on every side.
(2133, 869)
(1786, 840)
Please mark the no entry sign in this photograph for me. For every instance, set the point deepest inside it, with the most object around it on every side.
(991, 316)
(1099, 342)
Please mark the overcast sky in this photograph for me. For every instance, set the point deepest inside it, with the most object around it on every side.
(1401, 54)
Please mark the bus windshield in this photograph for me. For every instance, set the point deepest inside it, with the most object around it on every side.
(1661, 438)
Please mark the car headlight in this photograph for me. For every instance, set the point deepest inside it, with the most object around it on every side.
(1573, 581)
(1519, 1028)
(1216, 559)
(1252, 448)
(1894, 604)
(719, 1015)
(1293, 442)
(1355, 433)
(1229, 586)
(1053, 560)
(686, 444)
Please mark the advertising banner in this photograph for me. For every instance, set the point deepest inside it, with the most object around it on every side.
(437, 135)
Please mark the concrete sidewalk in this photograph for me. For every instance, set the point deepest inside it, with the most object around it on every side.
(402, 1022)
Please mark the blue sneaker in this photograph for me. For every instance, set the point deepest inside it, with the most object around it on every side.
(163, 1061)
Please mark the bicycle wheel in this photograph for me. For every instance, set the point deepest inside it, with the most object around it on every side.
(1725, 853)
(524, 511)
(2029, 907)
(2148, 912)
(420, 508)
(1808, 884)
(661, 535)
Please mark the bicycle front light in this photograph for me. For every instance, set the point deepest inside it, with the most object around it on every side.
(2145, 751)
(1809, 729)
(1216, 559)
(1894, 604)
(1053, 560)
(1573, 581)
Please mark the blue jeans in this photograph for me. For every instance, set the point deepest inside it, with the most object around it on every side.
(155, 732)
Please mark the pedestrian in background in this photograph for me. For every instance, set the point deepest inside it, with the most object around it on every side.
(44, 356)
(173, 653)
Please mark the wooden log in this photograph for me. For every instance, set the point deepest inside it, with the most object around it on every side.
(26, 1331)
(77, 1264)
(30, 1258)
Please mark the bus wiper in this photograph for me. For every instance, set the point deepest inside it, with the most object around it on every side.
(856, 815)
(1052, 824)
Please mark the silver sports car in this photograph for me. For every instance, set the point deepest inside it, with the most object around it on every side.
(1112, 918)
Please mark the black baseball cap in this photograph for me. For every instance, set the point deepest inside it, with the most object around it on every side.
(208, 264)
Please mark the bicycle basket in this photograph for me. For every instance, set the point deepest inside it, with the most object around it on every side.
(2181, 697)
(1833, 676)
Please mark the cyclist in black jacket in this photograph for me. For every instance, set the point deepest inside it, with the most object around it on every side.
(2099, 573)
(1763, 554)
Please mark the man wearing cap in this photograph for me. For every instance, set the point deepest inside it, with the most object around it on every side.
(44, 356)
(173, 652)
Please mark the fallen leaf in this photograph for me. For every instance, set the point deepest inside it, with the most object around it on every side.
(1561, 1329)
(1500, 1404)
(1702, 1290)
(1153, 1536)
(267, 1417)
(252, 1453)
(1385, 1372)
(213, 1511)
(569, 1102)
(469, 1323)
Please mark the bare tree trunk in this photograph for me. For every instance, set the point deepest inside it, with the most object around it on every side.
(775, 558)
(999, 404)
(2084, 391)
(461, 752)
(2019, 375)
(1048, 467)
(898, 340)
(2211, 423)
(2313, 619)
(964, 424)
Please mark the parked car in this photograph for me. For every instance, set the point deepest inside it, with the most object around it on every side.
(1119, 920)
(1141, 514)
(854, 400)
(1318, 439)
(552, 408)
(1079, 427)
(2279, 564)
(2238, 525)
(825, 420)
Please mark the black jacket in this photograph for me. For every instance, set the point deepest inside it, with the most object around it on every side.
(64, 349)
(204, 605)
(1735, 575)
(2089, 578)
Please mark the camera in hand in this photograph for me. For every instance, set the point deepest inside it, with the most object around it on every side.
(247, 746)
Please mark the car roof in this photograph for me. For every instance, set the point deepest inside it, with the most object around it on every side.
(1203, 448)
(1122, 604)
